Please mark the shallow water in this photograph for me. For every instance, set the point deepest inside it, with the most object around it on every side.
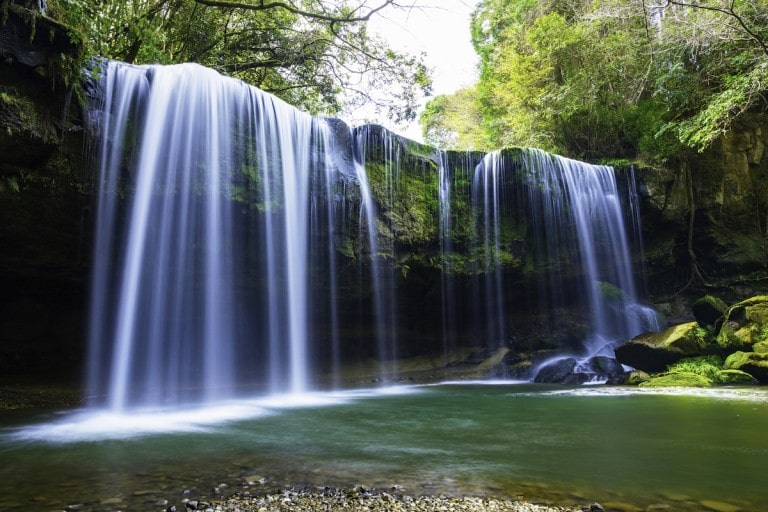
(569, 445)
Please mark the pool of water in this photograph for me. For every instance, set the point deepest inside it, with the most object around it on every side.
(618, 446)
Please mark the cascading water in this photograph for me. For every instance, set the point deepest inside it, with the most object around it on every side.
(183, 154)
(576, 220)
(242, 246)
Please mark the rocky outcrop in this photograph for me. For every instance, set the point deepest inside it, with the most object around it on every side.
(653, 352)
(716, 203)
(690, 355)
(744, 324)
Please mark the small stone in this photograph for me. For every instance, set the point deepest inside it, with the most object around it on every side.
(172, 508)
(596, 507)
(192, 504)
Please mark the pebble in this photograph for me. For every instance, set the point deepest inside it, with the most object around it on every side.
(367, 500)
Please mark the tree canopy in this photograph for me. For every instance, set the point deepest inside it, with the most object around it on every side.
(315, 54)
(613, 78)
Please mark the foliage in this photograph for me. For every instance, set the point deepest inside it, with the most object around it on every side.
(317, 55)
(652, 80)
(706, 366)
(453, 122)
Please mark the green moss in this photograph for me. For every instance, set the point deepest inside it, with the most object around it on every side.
(708, 309)
(753, 363)
(728, 377)
(705, 366)
(679, 379)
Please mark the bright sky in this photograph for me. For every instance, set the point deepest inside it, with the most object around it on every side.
(440, 28)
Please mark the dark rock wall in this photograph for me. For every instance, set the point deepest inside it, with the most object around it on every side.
(726, 190)
(44, 203)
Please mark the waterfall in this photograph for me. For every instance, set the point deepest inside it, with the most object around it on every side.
(241, 246)
(576, 226)
(183, 153)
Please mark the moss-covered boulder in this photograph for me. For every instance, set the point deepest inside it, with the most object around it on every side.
(653, 352)
(744, 324)
(677, 379)
(733, 377)
(636, 377)
(761, 346)
(708, 310)
(753, 363)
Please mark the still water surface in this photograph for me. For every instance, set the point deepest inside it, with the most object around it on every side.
(570, 445)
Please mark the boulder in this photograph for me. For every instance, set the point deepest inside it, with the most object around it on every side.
(559, 371)
(708, 310)
(605, 366)
(753, 363)
(653, 352)
(636, 377)
(744, 324)
(677, 379)
(731, 377)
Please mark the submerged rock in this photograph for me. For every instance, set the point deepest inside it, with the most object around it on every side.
(653, 352)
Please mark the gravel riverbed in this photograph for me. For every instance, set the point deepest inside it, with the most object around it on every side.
(372, 501)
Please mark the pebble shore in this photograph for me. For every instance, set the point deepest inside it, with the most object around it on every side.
(372, 501)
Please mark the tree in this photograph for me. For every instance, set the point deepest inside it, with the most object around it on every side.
(315, 54)
(713, 65)
(619, 78)
(453, 122)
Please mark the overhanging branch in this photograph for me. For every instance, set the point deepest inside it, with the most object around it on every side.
(290, 7)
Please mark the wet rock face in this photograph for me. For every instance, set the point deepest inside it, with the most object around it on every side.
(43, 209)
(36, 55)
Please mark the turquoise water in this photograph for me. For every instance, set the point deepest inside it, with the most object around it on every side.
(611, 445)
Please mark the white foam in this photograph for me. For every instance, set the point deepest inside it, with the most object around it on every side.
(87, 425)
(751, 394)
(480, 382)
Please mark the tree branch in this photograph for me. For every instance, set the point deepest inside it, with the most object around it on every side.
(728, 12)
(263, 6)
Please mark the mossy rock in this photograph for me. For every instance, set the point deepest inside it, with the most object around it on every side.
(637, 377)
(761, 347)
(731, 377)
(677, 379)
(744, 324)
(753, 363)
(708, 310)
(610, 292)
(653, 352)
